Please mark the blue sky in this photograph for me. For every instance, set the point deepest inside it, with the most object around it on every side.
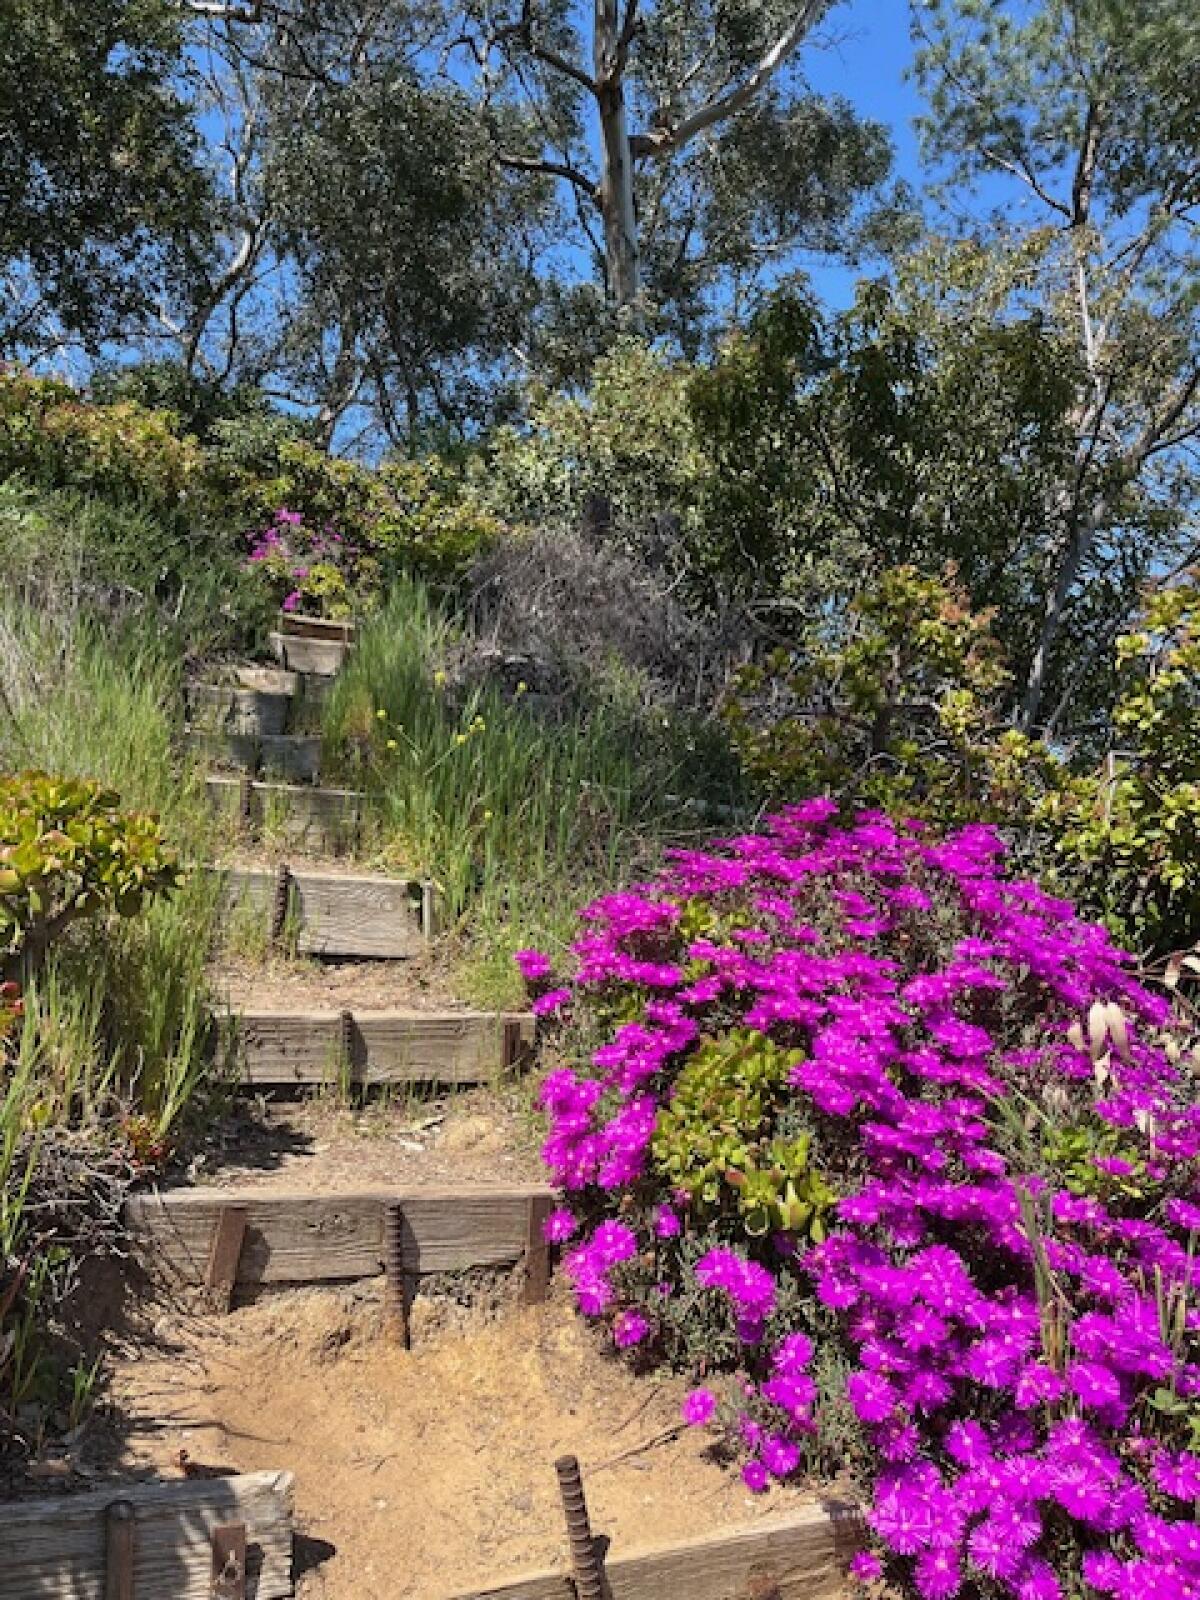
(869, 48)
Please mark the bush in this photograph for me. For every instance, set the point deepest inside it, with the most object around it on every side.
(331, 535)
(70, 1139)
(887, 1145)
(55, 438)
(622, 463)
(68, 851)
(575, 620)
(1128, 835)
(896, 702)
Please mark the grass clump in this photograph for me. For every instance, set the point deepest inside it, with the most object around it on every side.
(108, 1049)
(513, 815)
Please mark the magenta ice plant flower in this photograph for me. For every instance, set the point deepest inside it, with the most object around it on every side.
(921, 1000)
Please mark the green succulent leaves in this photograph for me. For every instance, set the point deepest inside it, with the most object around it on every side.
(718, 1139)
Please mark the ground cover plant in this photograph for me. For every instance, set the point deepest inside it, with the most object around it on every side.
(890, 1147)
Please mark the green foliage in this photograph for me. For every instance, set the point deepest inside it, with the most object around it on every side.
(405, 242)
(115, 496)
(719, 1140)
(55, 438)
(108, 501)
(761, 174)
(622, 457)
(1128, 835)
(896, 705)
(108, 1052)
(104, 202)
(67, 851)
(1082, 120)
(329, 535)
(507, 812)
(129, 1010)
(196, 402)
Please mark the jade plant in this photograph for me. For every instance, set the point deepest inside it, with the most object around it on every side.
(68, 850)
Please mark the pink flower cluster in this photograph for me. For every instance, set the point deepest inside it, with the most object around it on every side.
(1008, 1275)
(287, 548)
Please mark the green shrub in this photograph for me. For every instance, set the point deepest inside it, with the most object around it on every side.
(896, 703)
(623, 459)
(1127, 835)
(67, 851)
(55, 438)
(329, 535)
(109, 1049)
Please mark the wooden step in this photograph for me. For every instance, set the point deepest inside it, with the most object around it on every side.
(227, 708)
(324, 1238)
(801, 1554)
(317, 627)
(68, 1547)
(287, 1048)
(292, 757)
(334, 913)
(312, 818)
(257, 701)
(325, 657)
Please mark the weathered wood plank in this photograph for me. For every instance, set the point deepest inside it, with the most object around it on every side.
(54, 1549)
(320, 818)
(220, 1274)
(227, 708)
(802, 1555)
(292, 756)
(387, 1047)
(298, 654)
(537, 1251)
(316, 627)
(339, 914)
(330, 1238)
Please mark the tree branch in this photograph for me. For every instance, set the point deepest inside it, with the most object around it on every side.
(1085, 166)
(225, 10)
(552, 169)
(523, 31)
(660, 142)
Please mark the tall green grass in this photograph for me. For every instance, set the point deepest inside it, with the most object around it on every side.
(120, 1012)
(517, 819)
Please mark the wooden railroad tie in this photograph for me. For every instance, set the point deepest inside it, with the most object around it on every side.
(307, 1238)
(333, 913)
(317, 1047)
(225, 1538)
(799, 1555)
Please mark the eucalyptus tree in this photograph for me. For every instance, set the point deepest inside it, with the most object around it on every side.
(1068, 133)
(372, 262)
(581, 162)
(685, 141)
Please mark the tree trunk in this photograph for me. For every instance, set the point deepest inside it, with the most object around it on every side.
(616, 183)
(1082, 537)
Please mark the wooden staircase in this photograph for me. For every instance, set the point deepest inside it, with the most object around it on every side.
(262, 722)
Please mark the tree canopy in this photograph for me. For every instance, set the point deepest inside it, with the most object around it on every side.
(105, 198)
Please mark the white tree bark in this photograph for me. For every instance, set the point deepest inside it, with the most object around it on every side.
(617, 208)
